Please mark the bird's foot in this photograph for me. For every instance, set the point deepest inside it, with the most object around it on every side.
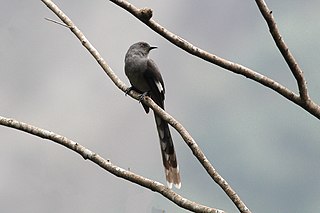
(141, 97)
(126, 92)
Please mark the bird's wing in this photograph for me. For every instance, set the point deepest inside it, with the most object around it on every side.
(155, 82)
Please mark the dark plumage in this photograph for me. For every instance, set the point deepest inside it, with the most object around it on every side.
(145, 78)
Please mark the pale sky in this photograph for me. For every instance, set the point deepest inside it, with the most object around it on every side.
(266, 147)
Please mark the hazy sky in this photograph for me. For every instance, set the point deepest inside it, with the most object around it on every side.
(266, 147)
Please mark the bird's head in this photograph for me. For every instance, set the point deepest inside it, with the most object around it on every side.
(141, 47)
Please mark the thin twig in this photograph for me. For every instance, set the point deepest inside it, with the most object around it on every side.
(107, 165)
(287, 55)
(56, 22)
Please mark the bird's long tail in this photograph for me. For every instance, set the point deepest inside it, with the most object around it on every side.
(169, 158)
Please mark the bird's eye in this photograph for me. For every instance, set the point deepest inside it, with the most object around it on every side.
(143, 45)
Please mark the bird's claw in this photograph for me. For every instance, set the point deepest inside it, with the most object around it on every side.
(141, 97)
(126, 92)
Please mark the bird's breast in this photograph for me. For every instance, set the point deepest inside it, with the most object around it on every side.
(135, 70)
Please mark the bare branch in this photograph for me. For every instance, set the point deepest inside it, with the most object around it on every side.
(293, 65)
(107, 165)
(303, 102)
(182, 131)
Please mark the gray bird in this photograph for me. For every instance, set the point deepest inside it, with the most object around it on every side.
(145, 78)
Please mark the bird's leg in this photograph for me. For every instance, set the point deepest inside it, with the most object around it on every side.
(141, 97)
(126, 92)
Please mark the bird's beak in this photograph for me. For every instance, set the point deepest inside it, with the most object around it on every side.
(153, 47)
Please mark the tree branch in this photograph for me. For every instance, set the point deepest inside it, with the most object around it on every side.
(290, 60)
(303, 102)
(107, 165)
(181, 130)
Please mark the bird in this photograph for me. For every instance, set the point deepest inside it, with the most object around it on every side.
(145, 78)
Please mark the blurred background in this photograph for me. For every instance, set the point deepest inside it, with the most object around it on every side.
(266, 147)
